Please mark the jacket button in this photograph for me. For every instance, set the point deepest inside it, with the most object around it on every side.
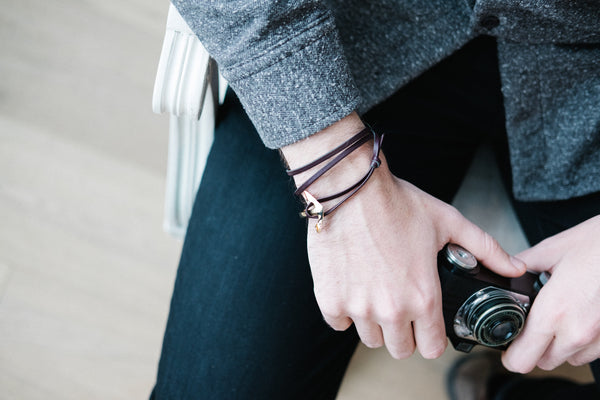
(489, 22)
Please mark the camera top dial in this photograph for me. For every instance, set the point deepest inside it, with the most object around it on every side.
(461, 259)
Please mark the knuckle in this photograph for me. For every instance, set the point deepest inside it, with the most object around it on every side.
(579, 340)
(360, 312)
(336, 326)
(578, 361)
(426, 303)
(451, 214)
(490, 244)
(336, 318)
(331, 307)
(332, 314)
(393, 317)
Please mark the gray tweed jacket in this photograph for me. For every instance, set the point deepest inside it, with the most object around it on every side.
(300, 65)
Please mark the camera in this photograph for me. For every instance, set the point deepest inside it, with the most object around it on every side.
(480, 306)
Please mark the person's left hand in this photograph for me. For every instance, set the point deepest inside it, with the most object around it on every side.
(564, 322)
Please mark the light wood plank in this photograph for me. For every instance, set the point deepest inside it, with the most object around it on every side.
(92, 270)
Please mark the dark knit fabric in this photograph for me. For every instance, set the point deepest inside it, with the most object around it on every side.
(299, 66)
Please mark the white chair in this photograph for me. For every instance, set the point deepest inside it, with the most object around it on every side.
(189, 88)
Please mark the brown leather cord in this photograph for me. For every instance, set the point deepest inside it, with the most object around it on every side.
(331, 164)
(340, 153)
(375, 163)
(341, 147)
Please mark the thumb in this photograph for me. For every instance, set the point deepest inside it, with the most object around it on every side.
(487, 250)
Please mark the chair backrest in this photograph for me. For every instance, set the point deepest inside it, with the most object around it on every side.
(189, 88)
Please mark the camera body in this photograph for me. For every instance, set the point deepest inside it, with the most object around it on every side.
(480, 306)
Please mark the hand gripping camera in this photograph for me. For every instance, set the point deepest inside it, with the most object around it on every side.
(481, 307)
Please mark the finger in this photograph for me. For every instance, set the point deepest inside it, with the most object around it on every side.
(567, 345)
(549, 252)
(541, 257)
(524, 353)
(430, 336)
(554, 356)
(399, 339)
(370, 333)
(485, 248)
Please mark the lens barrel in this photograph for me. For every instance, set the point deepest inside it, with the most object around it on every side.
(496, 320)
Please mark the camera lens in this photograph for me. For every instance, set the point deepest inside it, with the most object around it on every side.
(503, 330)
(497, 320)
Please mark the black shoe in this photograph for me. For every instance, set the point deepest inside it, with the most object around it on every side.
(481, 376)
(478, 376)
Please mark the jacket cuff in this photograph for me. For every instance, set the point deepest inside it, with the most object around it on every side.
(297, 88)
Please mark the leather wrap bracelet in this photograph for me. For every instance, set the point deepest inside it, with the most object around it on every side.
(314, 208)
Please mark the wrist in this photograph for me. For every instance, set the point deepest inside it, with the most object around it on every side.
(335, 168)
(306, 150)
(346, 172)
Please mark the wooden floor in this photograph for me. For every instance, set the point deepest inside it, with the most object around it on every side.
(86, 271)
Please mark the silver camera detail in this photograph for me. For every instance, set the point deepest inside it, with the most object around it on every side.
(492, 317)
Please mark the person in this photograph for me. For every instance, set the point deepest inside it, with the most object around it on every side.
(266, 307)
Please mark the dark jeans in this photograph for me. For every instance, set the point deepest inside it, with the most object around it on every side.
(243, 322)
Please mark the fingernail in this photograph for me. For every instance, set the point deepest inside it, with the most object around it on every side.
(518, 264)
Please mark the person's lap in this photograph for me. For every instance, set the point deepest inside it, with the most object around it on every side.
(243, 321)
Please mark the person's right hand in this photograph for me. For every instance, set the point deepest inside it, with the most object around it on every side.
(374, 263)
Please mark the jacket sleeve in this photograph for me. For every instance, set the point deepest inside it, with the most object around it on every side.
(283, 59)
